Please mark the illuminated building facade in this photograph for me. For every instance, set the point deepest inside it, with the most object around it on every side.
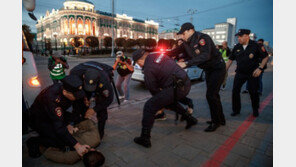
(78, 18)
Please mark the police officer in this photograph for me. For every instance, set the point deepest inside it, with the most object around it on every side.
(203, 53)
(49, 118)
(248, 55)
(167, 83)
(99, 92)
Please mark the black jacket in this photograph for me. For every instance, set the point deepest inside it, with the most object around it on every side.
(248, 60)
(49, 110)
(203, 52)
(159, 70)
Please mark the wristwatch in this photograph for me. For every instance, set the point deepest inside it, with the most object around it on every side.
(260, 68)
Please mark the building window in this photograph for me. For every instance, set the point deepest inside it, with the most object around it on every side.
(220, 32)
(94, 28)
(65, 26)
(87, 27)
(223, 37)
(80, 26)
(217, 36)
(72, 26)
(213, 33)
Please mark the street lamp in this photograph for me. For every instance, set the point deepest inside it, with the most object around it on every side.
(55, 34)
(44, 42)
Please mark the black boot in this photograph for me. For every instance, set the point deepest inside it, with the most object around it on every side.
(212, 127)
(255, 113)
(190, 120)
(144, 139)
(33, 147)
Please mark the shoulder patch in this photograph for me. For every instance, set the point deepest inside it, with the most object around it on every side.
(159, 59)
(202, 42)
(263, 49)
(58, 111)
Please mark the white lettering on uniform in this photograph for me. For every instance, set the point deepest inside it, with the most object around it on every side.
(159, 58)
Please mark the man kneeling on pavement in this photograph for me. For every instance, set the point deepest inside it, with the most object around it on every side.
(49, 118)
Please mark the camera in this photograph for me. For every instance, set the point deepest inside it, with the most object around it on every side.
(122, 58)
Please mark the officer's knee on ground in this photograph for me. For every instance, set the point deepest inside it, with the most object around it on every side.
(93, 159)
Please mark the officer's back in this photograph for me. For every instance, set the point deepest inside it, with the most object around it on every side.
(81, 68)
(161, 68)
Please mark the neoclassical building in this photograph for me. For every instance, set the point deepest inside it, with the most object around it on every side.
(79, 18)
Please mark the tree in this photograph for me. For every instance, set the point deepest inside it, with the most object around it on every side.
(150, 42)
(92, 41)
(107, 42)
(120, 42)
(48, 44)
(76, 42)
(140, 42)
(27, 31)
(130, 43)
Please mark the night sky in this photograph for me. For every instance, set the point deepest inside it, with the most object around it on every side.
(256, 15)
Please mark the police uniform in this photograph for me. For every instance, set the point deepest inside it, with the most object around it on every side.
(248, 60)
(161, 75)
(98, 77)
(203, 53)
(48, 115)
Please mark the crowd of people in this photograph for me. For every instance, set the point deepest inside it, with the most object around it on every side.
(70, 136)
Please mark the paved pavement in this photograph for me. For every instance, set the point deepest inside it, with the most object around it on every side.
(244, 141)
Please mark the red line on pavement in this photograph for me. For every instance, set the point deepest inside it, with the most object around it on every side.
(222, 152)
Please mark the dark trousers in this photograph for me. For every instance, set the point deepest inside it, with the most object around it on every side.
(253, 84)
(187, 101)
(260, 89)
(79, 110)
(164, 99)
(48, 137)
(214, 80)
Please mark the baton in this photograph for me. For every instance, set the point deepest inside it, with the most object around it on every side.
(115, 90)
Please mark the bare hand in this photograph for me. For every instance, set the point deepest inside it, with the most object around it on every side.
(71, 129)
(89, 113)
(257, 73)
(81, 149)
(181, 64)
(181, 60)
(86, 102)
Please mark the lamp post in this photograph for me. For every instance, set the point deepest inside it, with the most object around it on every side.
(44, 42)
(55, 34)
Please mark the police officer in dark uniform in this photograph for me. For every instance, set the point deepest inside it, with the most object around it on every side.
(203, 53)
(97, 86)
(168, 83)
(248, 55)
(49, 118)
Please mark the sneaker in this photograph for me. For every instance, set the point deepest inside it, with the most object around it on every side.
(125, 101)
(160, 117)
(245, 91)
(121, 97)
